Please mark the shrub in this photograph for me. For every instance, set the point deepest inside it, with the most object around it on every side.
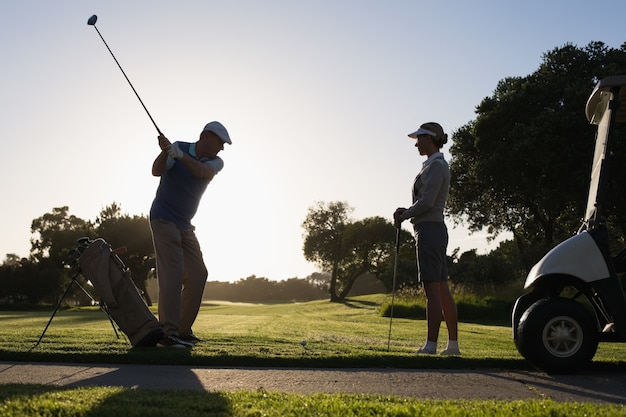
(411, 303)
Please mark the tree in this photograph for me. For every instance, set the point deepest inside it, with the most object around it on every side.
(483, 273)
(349, 249)
(255, 289)
(370, 248)
(523, 164)
(55, 235)
(324, 227)
(9, 282)
(319, 280)
(296, 289)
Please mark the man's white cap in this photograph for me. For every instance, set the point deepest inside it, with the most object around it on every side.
(219, 130)
(422, 131)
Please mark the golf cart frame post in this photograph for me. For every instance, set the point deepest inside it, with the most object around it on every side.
(574, 298)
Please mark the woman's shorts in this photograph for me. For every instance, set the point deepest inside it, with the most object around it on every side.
(431, 243)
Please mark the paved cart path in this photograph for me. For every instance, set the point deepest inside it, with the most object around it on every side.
(606, 387)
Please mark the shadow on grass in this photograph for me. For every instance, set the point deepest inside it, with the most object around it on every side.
(114, 402)
(356, 303)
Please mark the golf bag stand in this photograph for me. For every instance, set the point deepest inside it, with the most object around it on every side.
(75, 274)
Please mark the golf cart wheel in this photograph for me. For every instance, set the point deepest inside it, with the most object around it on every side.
(557, 335)
(521, 305)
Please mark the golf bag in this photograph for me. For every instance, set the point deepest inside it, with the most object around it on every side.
(117, 291)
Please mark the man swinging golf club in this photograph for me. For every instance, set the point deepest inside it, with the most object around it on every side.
(185, 170)
(430, 192)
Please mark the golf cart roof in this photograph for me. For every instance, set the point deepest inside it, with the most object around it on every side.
(606, 107)
(597, 103)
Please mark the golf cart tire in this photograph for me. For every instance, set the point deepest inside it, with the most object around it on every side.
(557, 335)
(521, 305)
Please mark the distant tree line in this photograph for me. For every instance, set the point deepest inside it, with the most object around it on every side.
(255, 289)
(259, 289)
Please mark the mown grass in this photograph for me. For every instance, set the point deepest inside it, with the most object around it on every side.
(29, 400)
(351, 334)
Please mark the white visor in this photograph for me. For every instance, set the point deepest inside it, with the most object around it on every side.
(422, 131)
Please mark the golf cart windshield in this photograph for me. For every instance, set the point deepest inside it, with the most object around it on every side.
(603, 110)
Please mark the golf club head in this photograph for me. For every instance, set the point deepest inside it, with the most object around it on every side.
(92, 20)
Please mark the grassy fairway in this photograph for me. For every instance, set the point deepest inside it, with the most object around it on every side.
(351, 334)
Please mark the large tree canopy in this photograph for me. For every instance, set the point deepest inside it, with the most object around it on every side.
(55, 234)
(523, 164)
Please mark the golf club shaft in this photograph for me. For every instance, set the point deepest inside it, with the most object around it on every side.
(393, 285)
(129, 83)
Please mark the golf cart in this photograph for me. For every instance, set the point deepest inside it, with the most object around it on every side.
(574, 298)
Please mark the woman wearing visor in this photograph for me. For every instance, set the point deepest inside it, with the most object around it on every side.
(430, 192)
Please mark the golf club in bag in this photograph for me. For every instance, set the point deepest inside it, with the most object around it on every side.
(393, 284)
(92, 22)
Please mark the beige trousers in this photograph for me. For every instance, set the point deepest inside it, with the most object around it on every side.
(181, 275)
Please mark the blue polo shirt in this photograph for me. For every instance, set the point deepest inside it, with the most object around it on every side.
(179, 193)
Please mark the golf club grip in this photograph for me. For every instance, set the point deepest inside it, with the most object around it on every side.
(397, 239)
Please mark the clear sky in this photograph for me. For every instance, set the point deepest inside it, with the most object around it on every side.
(318, 97)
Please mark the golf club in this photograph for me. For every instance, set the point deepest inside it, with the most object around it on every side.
(92, 22)
(393, 283)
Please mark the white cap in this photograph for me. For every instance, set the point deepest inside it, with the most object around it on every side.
(219, 130)
(422, 131)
